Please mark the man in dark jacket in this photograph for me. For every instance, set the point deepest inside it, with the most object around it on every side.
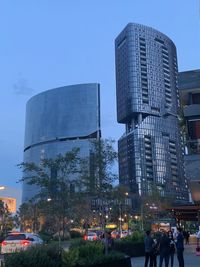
(164, 248)
(148, 245)
(180, 247)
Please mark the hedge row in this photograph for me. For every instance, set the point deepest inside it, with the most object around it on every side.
(89, 254)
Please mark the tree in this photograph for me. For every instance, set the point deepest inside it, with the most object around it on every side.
(153, 207)
(26, 217)
(98, 179)
(122, 205)
(56, 180)
(97, 175)
(6, 219)
(57, 200)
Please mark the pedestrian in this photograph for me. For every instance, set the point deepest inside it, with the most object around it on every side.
(174, 232)
(184, 235)
(154, 252)
(110, 241)
(148, 245)
(164, 249)
(198, 237)
(180, 247)
(172, 248)
(187, 237)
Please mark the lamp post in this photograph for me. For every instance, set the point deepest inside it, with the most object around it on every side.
(120, 218)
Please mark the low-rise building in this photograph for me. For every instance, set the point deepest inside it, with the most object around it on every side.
(11, 197)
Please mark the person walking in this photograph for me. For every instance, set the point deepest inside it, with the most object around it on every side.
(148, 245)
(187, 237)
(180, 247)
(164, 248)
(172, 248)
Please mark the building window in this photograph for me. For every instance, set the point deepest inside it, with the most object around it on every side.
(148, 157)
(194, 129)
(196, 98)
(143, 69)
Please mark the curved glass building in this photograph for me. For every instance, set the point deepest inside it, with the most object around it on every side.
(150, 151)
(58, 120)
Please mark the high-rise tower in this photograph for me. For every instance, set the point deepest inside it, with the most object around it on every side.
(189, 90)
(59, 120)
(150, 151)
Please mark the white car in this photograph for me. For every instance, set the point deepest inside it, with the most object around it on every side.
(125, 233)
(91, 236)
(16, 242)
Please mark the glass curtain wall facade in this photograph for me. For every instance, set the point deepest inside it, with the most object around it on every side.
(58, 120)
(189, 90)
(150, 151)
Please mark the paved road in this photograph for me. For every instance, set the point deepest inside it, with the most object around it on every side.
(191, 260)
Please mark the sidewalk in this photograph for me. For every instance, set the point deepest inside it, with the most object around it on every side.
(191, 260)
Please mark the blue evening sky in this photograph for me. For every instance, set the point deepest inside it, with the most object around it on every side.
(51, 43)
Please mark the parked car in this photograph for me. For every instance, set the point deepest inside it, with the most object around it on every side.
(115, 234)
(120, 234)
(124, 233)
(91, 236)
(15, 242)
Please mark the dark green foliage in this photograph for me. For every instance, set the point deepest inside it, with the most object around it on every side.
(129, 247)
(132, 245)
(85, 254)
(46, 237)
(75, 234)
(70, 258)
(77, 243)
(54, 200)
(88, 254)
(136, 237)
(40, 256)
(103, 260)
(7, 221)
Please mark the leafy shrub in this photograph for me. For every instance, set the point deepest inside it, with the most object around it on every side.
(129, 247)
(88, 254)
(136, 237)
(132, 245)
(75, 234)
(62, 236)
(78, 242)
(46, 237)
(70, 258)
(40, 256)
